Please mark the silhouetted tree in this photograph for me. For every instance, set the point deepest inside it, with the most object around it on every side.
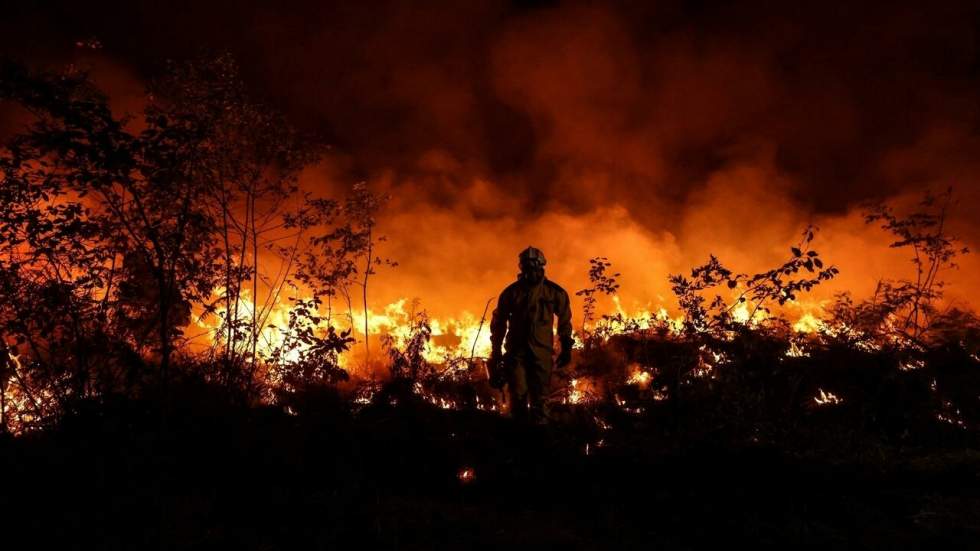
(408, 362)
(342, 249)
(107, 212)
(600, 283)
(308, 354)
(248, 166)
(780, 284)
(911, 306)
(361, 210)
(136, 304)
(128, 192)
(57, 255)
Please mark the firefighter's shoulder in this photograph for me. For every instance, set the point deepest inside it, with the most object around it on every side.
(510, 290)
(554, 287)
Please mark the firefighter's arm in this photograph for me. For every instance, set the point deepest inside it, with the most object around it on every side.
(564, 312)
(498, 322)
(498, 329)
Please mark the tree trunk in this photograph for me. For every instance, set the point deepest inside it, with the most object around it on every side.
(225, 231)
(4, 366)
(255, 288)
(164, 332)
(364, 289)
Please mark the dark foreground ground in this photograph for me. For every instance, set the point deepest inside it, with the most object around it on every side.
(388, 478)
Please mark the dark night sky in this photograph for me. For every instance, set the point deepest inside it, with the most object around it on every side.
(656, 95)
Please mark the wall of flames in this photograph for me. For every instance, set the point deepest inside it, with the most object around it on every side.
(646, 134)
(454, 259)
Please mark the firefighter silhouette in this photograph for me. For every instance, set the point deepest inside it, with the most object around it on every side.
(523, 323)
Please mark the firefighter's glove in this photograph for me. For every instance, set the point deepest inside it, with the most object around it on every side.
(565, 356)
(495, 369)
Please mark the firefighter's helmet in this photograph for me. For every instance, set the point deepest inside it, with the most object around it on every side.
(532, 258)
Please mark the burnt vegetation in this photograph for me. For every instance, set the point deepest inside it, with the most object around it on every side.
(127, 242)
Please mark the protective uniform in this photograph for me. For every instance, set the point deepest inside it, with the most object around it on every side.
(524, 323)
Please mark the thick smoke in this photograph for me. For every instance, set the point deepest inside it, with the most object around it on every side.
(651, 134)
